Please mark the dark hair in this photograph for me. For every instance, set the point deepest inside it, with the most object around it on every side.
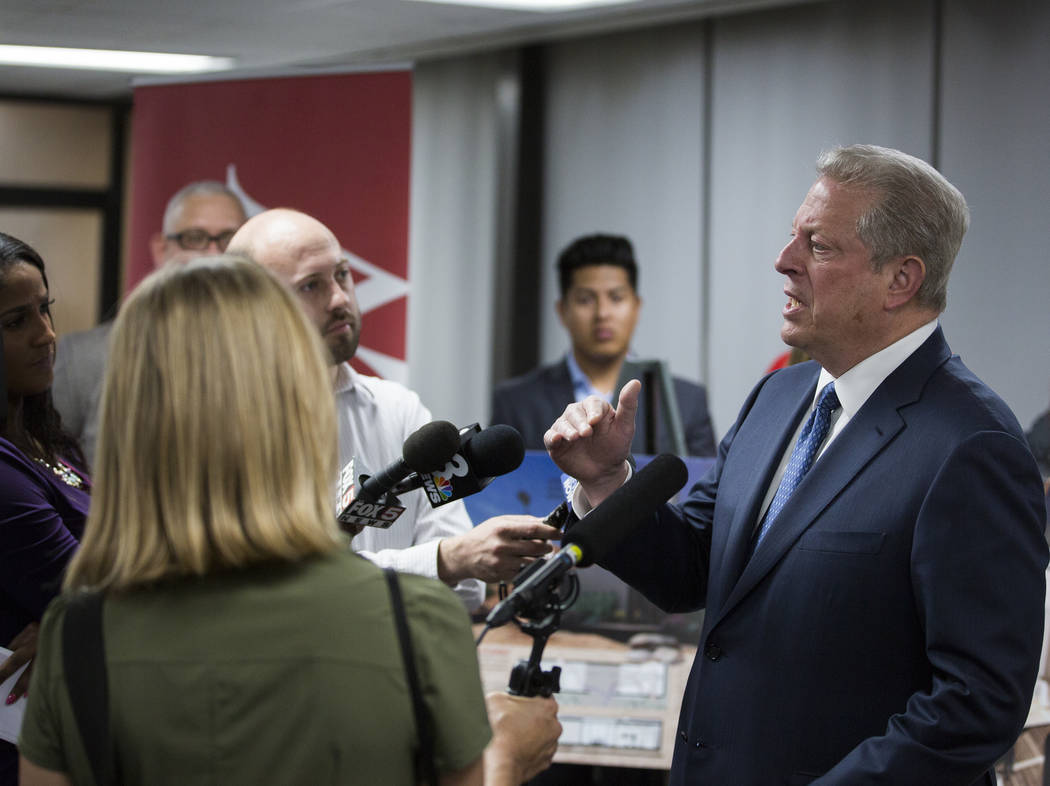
(40, 419)
(596, 250)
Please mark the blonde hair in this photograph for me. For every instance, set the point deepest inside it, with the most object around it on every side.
(217, 446)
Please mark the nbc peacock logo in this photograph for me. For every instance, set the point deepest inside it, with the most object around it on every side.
(444, 486)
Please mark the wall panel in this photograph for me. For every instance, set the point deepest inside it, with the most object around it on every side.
(787, 84)
(452, 237)
(623, 156)
(996, 131)
(70, 242)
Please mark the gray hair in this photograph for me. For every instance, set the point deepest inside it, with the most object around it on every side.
(196, 188)
(916, 211)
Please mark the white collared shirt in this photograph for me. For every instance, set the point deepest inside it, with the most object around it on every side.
(375, 417)
(853, 388)
(581, 383)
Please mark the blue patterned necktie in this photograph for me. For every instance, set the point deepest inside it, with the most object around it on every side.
(809, 441)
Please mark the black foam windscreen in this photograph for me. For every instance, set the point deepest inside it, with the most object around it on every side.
(431, 447)
(495, 451)
(627, 507)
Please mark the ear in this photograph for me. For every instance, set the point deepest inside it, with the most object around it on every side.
(559, 309)
(156, 247)
(906, 275)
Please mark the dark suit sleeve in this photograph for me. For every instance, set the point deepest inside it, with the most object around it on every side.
(531, 403)
(1039, 441)
(500, 407)
(668, 559)
(978, 562)
(696, 421)
(68, 392)
(507, 409)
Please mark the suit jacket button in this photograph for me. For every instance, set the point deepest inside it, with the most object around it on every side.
(712, 652)
(682, 734)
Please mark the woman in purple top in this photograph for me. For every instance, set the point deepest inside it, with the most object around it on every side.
(44, 491)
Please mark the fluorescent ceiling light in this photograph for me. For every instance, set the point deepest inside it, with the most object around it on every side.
(111, 60)
(532, 5)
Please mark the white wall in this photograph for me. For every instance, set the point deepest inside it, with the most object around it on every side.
(452, 236)
(625, 151)
(623, 155)
(786, 85)
(995, 142)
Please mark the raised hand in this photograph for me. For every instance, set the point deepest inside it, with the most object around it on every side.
(591, 441)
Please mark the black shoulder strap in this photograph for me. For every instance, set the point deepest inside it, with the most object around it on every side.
(84, 660)
(425, 761)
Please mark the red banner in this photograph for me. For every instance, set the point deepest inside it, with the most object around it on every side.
(336, 147)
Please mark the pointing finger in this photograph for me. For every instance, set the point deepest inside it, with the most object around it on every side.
(627, 405)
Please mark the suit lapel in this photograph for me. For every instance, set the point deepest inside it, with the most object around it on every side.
(879, 420)
(735, 547)
(862, 439)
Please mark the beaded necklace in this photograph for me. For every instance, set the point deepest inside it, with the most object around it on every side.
(64, 472)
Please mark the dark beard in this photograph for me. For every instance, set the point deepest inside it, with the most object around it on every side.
(343, 349)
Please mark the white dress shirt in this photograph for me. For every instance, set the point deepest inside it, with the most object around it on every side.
(375, 418)
(853, 388)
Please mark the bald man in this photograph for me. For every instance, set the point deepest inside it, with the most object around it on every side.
(199, 219)
(376, 416)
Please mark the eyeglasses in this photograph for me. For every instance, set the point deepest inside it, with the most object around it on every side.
(198, 239)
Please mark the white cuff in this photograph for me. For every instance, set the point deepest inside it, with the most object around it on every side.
(580, 504)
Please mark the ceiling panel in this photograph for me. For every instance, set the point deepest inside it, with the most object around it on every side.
(268, 36)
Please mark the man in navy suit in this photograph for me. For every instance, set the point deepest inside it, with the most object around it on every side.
(881, 621)
(599, 308)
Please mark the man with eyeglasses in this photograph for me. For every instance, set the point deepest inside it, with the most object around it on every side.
(199, 220)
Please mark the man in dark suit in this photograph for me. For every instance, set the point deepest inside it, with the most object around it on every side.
(872, 566)
(599, 307)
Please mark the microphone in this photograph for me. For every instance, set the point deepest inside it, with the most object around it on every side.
(427, 448)
(595, 534)
(483, 455)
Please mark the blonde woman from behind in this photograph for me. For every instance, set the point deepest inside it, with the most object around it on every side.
(244, 642)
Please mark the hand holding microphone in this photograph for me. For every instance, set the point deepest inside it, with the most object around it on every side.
(495, 549)
(596, 534)
(539, 598)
